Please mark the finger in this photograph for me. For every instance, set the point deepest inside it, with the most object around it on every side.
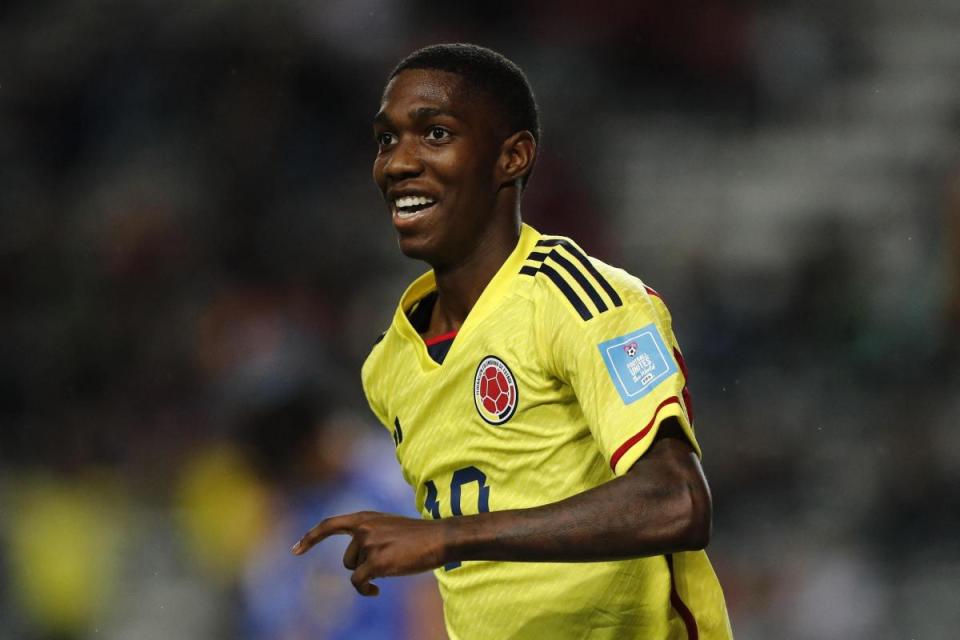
(361, 581)
(351, 557)
(328, 527)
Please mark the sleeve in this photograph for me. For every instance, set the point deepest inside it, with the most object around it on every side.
(625, 367)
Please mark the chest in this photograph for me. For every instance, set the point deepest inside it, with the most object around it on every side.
(491, 405)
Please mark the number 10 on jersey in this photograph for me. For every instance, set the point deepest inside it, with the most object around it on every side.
(460, 477)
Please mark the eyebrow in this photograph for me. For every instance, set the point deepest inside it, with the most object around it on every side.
(420, 113)
(429, 112)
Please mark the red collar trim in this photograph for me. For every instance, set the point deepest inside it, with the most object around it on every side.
(450, 335)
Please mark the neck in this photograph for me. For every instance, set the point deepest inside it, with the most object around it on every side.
(459, 286)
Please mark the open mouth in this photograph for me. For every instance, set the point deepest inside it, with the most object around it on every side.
(409, 206)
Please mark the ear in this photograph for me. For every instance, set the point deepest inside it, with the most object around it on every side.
(517, 154)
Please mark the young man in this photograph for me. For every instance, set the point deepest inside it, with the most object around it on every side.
(534, 392)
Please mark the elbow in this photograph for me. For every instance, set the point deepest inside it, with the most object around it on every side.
(697, 534)
(697, 520)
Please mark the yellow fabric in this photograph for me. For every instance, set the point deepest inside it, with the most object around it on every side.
(569, 423)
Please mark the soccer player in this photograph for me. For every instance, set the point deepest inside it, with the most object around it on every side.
(536, 396)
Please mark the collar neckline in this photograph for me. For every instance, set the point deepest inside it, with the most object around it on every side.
(486, 303)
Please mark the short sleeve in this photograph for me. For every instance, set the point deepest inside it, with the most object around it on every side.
(625, 367)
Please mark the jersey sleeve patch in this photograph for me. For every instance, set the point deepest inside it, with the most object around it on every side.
(637, 362)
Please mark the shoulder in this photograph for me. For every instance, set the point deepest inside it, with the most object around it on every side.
(385, 345)
(373, 362)
(375, 351)
(569, 282)
(377, 370)
(378, 357)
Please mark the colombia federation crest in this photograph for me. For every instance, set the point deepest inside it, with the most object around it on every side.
(495, 391)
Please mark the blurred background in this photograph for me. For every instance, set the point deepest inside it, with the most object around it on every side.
(194, 262)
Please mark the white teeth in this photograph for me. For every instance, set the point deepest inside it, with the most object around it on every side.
(412, 201)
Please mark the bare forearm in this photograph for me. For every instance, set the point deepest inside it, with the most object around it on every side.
(651, 510)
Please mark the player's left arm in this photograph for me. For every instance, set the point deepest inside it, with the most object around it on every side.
(661, 505)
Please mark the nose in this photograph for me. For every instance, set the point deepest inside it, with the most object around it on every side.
(404, 161)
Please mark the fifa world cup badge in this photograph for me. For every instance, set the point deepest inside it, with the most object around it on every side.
(495, 391)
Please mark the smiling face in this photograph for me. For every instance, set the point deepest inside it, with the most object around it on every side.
(439, 145)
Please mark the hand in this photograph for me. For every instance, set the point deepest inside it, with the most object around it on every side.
(382, 545)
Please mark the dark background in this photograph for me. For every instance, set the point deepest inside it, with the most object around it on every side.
(194, 262)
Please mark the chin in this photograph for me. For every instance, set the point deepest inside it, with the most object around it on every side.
(415, 248)
(423, 249)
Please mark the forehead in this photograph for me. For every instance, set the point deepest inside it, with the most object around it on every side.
(414, 89)
(429, 85)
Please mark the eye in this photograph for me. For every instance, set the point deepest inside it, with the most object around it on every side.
(437, 133)
(385, 139)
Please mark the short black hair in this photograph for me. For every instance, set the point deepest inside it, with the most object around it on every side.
(488, 71)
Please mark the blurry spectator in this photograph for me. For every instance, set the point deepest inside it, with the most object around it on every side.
(224, 510)
(316, 464)
(65, 538)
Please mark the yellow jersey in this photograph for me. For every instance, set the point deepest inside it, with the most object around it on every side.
(556, 382)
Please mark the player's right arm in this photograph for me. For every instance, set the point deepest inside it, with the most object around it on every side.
(661, 505)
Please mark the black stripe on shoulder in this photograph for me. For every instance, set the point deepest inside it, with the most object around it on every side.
(581, 280)
(529, 271)
(582, 259)
(537, 256)
(566, 291)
